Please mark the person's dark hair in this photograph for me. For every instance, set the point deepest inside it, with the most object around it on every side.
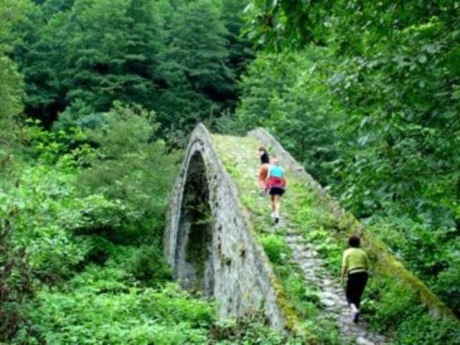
(264, 158)
(354, 241)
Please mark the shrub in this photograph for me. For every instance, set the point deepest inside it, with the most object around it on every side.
(275, 248)
(133, 171)
(102, 306)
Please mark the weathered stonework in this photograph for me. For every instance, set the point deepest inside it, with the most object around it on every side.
(386, 263)
(291, 165)
(208, 239)
(211, 246)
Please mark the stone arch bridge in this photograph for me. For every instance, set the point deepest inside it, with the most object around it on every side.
(212, 236)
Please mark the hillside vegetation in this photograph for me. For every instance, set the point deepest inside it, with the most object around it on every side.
(97, 98)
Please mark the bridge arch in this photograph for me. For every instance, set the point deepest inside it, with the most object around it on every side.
(193, 253)
(211, 245)
(209, 241)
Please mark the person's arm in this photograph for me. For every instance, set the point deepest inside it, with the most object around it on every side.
(368, 263)
(268, 175)
(344, 268)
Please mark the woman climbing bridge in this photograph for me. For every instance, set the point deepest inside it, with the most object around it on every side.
(355, 265)
(275, 184)
(265, 165)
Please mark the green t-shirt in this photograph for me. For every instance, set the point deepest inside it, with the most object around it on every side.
(355, 259)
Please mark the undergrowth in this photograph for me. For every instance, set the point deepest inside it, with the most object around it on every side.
(82, 263)
(388, 305)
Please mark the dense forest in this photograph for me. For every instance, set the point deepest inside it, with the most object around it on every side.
(97, 98)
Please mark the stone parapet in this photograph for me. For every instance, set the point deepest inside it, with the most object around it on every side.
(387, 263)
(209, 241)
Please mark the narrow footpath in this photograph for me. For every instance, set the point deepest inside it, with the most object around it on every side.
(331, 293)
(239, 155)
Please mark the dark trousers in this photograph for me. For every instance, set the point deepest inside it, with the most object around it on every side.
(356, 283)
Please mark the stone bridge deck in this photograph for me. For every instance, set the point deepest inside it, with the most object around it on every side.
(219, 231)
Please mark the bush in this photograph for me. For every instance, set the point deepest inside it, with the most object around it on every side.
(275, 248)
(130, 169)
(103, 308)
(432, 254)
(52, 226)
(252, 329)
(397, 310)
(419, 328)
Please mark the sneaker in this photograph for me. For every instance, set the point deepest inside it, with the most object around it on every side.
(277, 219)
(356, 317)
(353, 308)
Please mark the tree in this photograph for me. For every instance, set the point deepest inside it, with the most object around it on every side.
(11, 83)
(95, 52)
(397, 82)
(131, 169)
(239, 46)
(194, 65)
(111, 54)
(51, 7)
(286, 94)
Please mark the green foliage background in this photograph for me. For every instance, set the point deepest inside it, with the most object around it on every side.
(97, 98)
(391, 129)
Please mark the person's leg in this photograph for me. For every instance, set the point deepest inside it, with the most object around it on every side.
(355, 287)
(349, 291)
(277, 205)
(361, 281)
(273, 200)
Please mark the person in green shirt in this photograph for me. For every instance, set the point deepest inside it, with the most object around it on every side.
(355, 265)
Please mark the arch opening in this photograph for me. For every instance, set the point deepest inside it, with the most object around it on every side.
(194, 260)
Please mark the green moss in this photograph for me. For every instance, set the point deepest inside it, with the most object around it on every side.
(275, 248)
(293, 299)
(314, 216)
